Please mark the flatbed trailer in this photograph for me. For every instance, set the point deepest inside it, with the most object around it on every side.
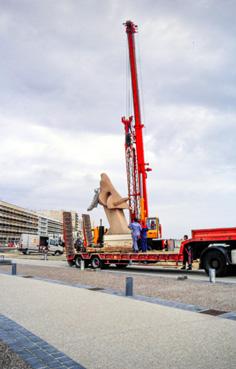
(122, 259)
(212, 248)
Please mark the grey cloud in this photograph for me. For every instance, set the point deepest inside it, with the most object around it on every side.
(64, 70)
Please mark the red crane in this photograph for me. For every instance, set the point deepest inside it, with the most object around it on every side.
(134, 149)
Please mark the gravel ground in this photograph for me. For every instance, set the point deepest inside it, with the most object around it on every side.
(10, 360)
(219, 296)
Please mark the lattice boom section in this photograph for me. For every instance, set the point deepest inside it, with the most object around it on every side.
(133, 185)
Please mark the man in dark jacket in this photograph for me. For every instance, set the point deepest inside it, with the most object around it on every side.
(187, 257)
(144, 239)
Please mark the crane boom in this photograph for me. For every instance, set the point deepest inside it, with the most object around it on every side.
(135, 162)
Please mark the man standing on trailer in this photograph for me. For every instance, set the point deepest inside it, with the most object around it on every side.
(144, 238)
(136, 232)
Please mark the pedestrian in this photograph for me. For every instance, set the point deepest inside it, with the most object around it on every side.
(45, 251)
(187, 255)
(165, 248)
(144, 239)
(136, 232)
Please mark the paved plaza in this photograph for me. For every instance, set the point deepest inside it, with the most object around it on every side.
(92, 329)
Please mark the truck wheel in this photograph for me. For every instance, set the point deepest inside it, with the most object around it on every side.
(57, 253)
(71, 263)
(78, 261)
(96, 262)
(215, 260)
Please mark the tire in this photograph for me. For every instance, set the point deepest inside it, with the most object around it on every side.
(96, 262)
(56, 253)
(71, 263)
(78, 261)
(215, 260)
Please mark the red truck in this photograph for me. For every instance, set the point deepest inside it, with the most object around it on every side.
(212, 248)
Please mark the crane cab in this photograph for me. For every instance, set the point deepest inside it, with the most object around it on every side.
(154, 227)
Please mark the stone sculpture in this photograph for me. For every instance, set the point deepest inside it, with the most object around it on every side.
(113, 204)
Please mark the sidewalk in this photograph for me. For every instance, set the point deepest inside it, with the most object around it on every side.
(99, 330)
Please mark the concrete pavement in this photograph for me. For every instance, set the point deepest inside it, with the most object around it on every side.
(99, 330)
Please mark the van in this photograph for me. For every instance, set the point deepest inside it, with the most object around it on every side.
(33, 244)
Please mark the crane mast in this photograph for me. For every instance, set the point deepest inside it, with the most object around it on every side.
(135, 163)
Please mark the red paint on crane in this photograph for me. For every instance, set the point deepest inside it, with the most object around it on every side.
(135, 162)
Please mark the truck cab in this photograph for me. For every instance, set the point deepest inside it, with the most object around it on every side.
(215, 248)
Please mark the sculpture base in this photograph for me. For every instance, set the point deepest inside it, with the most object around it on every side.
(118, 243)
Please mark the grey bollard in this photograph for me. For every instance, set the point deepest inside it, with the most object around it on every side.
(13, 269)
(129, 286)
(212, 275)
(82, 265)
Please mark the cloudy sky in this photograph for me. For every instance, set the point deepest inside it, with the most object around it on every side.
(64, 89)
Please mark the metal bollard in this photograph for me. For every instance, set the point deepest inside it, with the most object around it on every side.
(129, 286)
(82, 264)
(13, 269)
(212, 275)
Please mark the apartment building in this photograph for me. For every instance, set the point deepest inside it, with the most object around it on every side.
(15, 220)
(58, 214)
(49, 227)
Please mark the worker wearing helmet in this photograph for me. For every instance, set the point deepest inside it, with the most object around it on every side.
(136, 232)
